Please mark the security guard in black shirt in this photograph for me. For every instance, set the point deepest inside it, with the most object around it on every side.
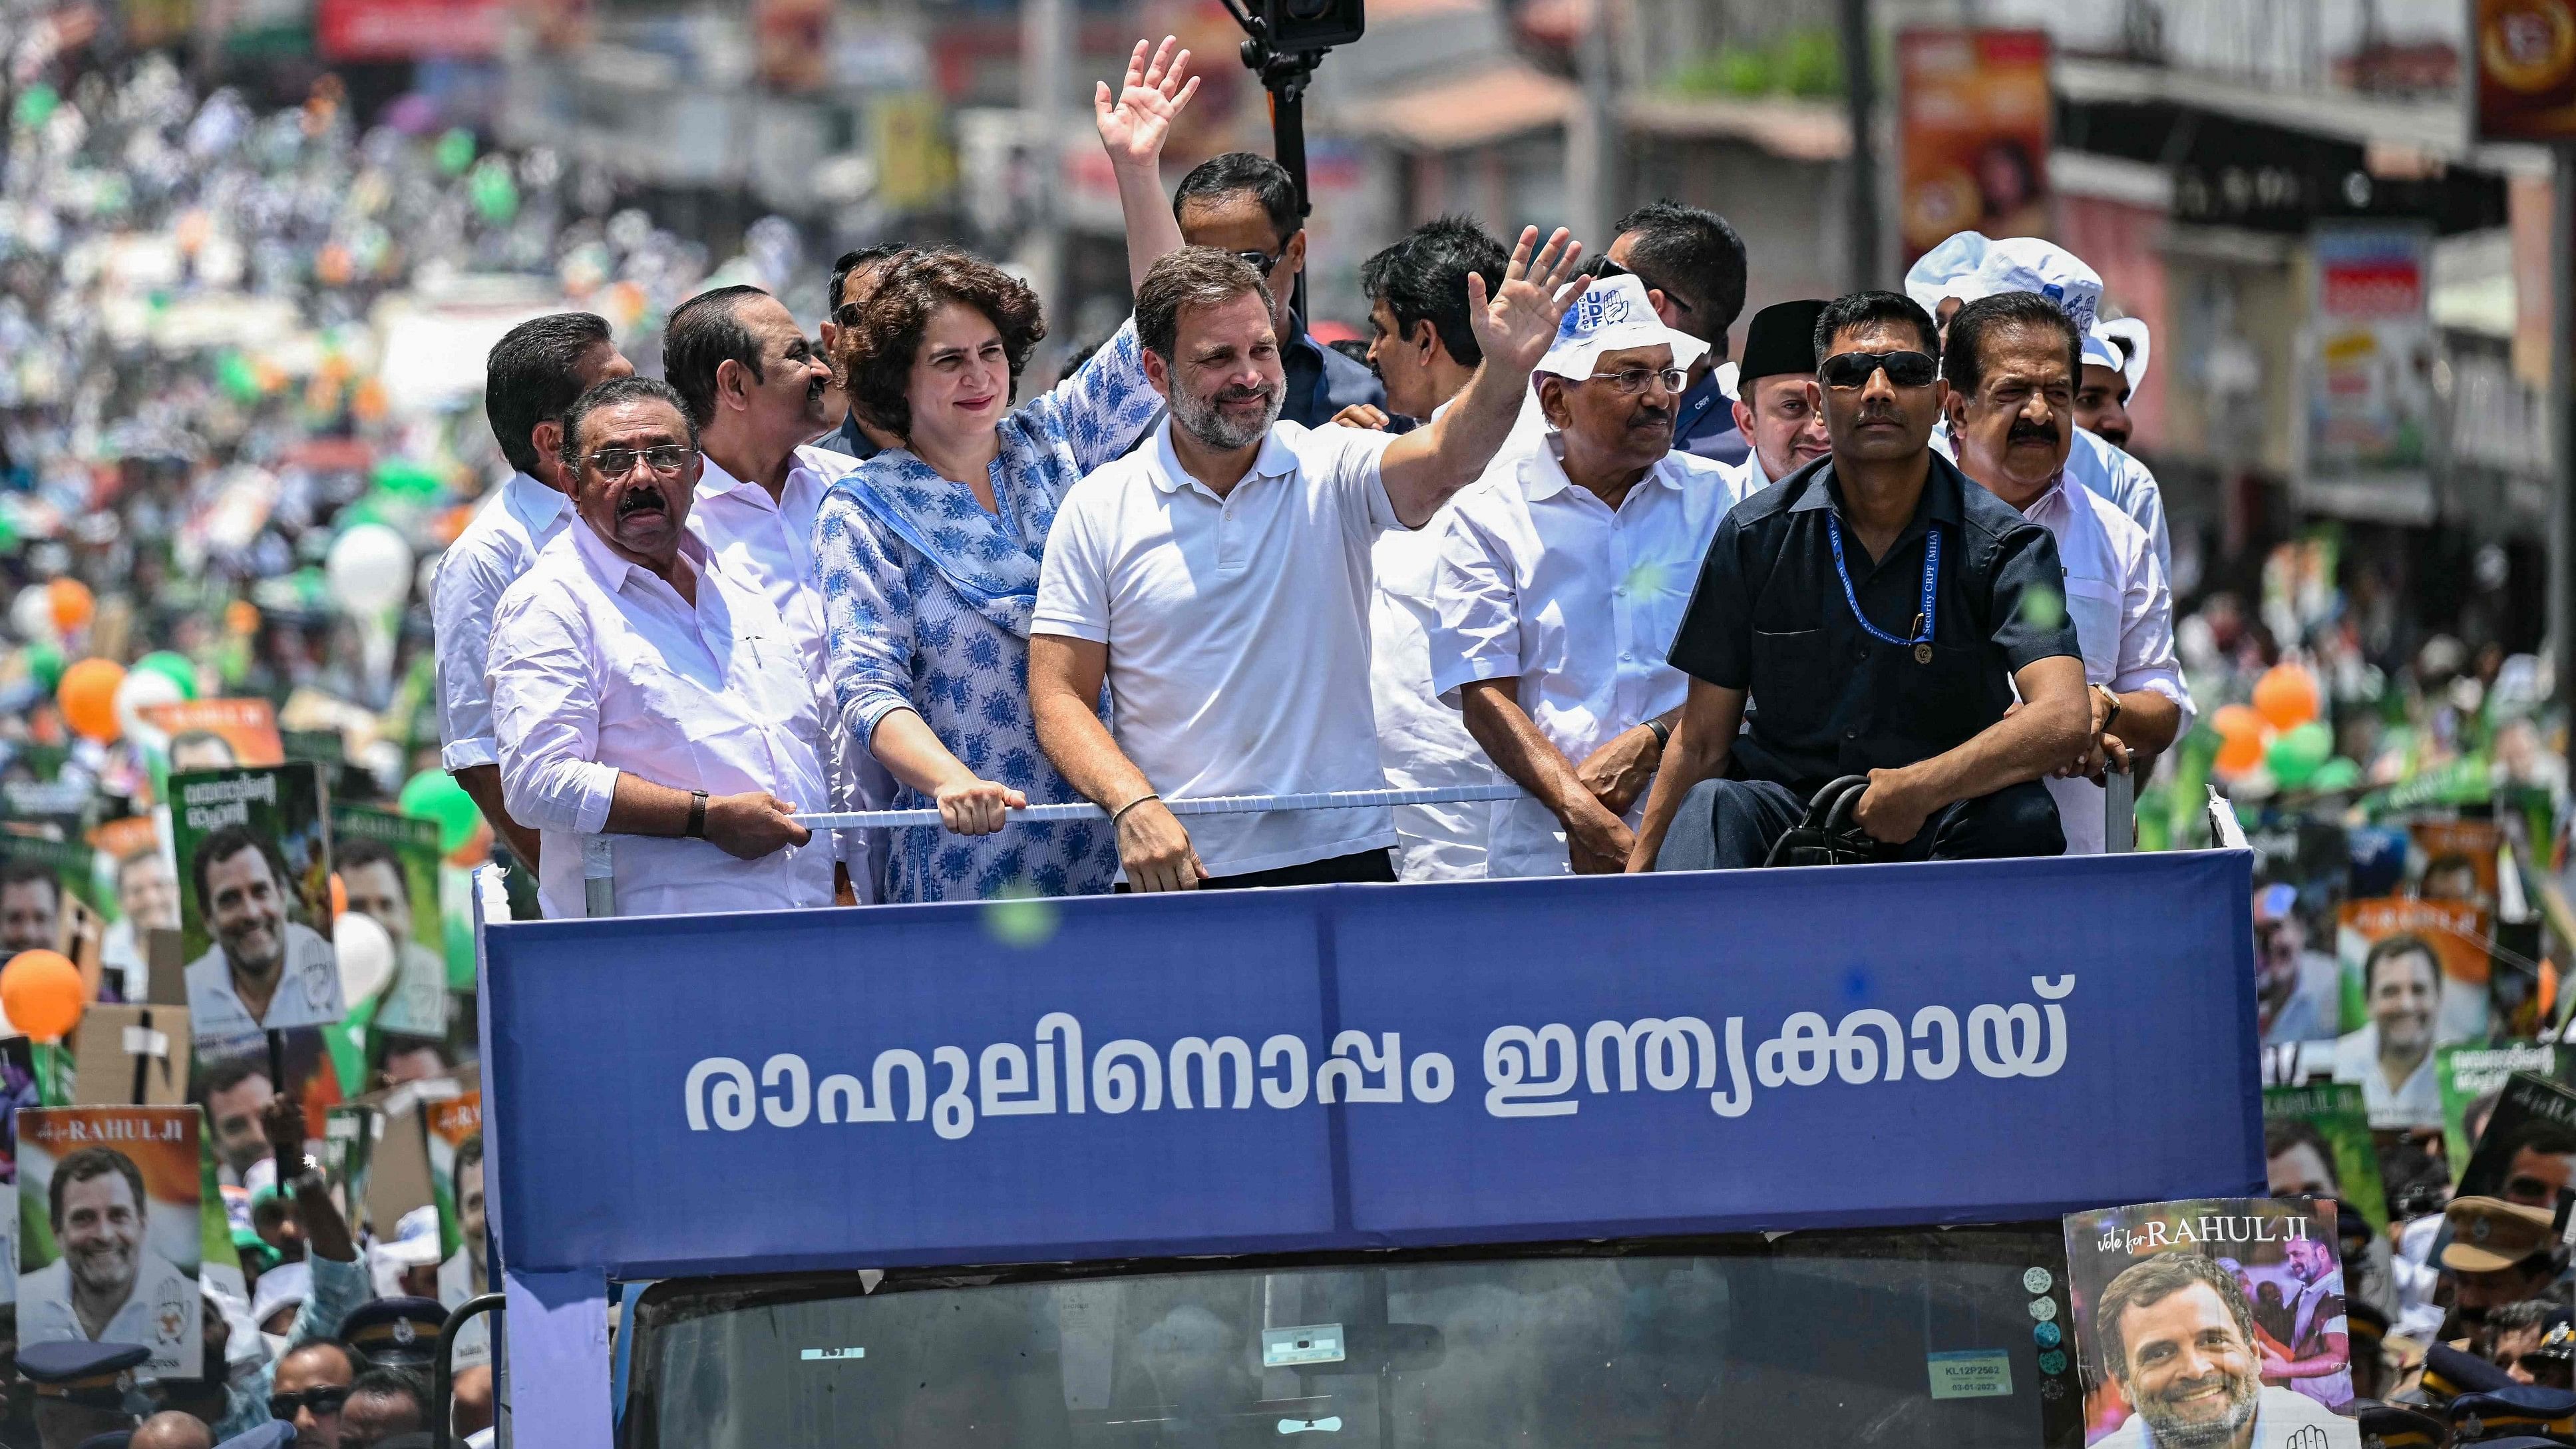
(1880, 609)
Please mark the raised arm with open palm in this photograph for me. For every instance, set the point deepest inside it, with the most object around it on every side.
(1133, 127)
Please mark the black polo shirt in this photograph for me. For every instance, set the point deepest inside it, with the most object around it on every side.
(1769, 617)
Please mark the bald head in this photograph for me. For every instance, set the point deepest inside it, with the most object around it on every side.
(173, 1430)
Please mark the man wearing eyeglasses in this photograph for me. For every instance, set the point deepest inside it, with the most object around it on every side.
(1247, 205)
(646, 690)
(1561, 584)
(1882, 609)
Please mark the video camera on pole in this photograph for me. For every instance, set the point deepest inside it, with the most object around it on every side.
(1288, 40)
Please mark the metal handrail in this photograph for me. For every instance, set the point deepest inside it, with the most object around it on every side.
(442, 1372)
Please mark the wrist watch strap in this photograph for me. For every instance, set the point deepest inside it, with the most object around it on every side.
(697, 815)
(1663, 732)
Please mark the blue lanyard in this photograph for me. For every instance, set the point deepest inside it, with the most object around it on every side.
(1922, 641)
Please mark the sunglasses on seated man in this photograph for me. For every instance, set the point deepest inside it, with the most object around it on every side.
(322, 1399)
(1854, 369)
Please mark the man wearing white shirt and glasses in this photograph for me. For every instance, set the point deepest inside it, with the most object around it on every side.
(531, 375)
(1218, 580)
(1560, 588)
(643, 690)
(2012, 360)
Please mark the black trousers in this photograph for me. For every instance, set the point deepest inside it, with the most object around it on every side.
(1369, 867)
(1732, 824)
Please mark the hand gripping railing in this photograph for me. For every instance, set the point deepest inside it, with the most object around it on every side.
(1212, 805)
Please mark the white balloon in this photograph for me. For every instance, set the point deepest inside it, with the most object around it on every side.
(369, 568)
(31, 614)
(143, 687)
(366, 955)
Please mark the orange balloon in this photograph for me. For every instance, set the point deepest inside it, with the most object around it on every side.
(2286, 696)
(2239, 753)
(73, 606)
(42, 993)
(88, 697)
(339, 896)
(241, 616)
(2234, 720)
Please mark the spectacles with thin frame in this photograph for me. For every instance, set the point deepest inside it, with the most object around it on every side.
(1631, 381)
(666, 459)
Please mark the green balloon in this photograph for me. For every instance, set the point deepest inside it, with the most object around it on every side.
(45, 665)
(2298, 754)
(435, 795)
(495, 191)
(456, 151)
(176, 667)
(2335, 776)
(235, 375)
(36, 105)
(406, 478)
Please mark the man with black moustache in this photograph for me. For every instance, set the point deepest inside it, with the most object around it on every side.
(643, 688)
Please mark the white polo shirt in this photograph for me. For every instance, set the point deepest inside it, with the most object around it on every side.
(1238, 632)
(1543, 583)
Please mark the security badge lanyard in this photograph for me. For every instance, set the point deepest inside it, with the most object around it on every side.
(1922, 640)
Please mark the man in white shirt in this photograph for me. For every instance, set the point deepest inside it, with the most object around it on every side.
(1424, 351)
(757, 389)
(1773, 408)
(1968, 266)
(109, 1286)
(264, 972)
(1561, 587)
(1218, 580)
(531, 375)
(641, 690)
(2012, 361)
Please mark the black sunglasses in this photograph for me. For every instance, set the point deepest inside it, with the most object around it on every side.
(322, 1400)
(1854, 369)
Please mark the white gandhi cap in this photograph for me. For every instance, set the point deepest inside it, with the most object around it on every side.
(1612, 315)
(1968, 266)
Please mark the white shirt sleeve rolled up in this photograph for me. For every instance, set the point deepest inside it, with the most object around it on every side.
(1479, 633)
(545, 711)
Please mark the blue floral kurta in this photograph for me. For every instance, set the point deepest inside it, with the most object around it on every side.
(926, 603)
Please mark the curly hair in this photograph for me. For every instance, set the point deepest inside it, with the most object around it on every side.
(874, 355)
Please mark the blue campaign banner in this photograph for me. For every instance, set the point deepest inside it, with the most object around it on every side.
(1371, 1066)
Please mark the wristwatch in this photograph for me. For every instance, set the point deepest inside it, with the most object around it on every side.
(2113, 700)
(1663, 732)
(697, 815)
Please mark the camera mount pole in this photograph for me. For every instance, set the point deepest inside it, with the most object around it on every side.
(1285, 74)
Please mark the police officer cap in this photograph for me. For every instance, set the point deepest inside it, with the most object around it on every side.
(2488, 1234)
(2449, 1372)
(2513, 1413)
(1781, 339)
(96, 1374)
(117, 1440)
(2397, 1426)
(395, 1332)
(275, 1434)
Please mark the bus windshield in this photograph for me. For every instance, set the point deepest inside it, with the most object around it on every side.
(1896, 1337)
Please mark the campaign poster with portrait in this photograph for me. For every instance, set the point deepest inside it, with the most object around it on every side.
(111, 1230)
(389, 869)
(216, 734)
(254, 857)
(2444, 942)
(2527, 1154)
(2459, 859)
(2166, 1296)
(2473, 1079)
(1973, 113)
(2316, 1142)
(50, 901)
(456, 1176)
